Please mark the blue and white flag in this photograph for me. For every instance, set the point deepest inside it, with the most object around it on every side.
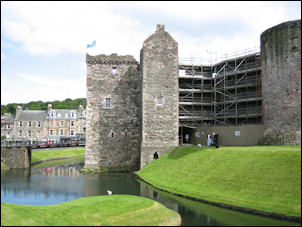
(92, 44)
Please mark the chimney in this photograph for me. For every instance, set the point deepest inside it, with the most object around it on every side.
(18, 111)
(49, 107)
(160, 28)
(81, 108)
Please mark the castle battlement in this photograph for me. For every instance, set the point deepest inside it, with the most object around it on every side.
(110, 59)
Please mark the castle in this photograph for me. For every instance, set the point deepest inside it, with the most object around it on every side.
(138, 110)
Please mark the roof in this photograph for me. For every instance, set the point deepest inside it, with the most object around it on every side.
(8, 118)
(32, 115)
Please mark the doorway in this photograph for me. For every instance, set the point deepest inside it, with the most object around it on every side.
(185, 135)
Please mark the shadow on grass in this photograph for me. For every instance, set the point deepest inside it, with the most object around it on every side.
(181, 151)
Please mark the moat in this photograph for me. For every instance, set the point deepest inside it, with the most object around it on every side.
(57, 184)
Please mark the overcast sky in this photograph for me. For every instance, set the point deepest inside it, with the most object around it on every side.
(44, 44)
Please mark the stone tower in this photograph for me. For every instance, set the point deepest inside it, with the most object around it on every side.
(159, 70)
(113, 131)
(281, 83)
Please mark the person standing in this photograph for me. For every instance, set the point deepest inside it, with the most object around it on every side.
(187, 138)
(209, 140)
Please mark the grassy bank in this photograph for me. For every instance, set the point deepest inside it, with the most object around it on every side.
(4, 166)
(96, 210)
(56, 153)
(266, 178)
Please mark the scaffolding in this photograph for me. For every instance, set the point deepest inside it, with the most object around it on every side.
(195, 95)
(236, 90)
(225, 93)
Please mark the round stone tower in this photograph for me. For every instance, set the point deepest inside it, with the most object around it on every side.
(281, 83)
(113, 125)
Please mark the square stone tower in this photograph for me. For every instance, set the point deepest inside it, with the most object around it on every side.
(159, 70)
(113, 132)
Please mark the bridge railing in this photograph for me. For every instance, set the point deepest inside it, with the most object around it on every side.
(41, 143)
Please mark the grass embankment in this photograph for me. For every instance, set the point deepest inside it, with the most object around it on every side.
(40, 156)
(109, 210)
(265, 178)
(4, 166)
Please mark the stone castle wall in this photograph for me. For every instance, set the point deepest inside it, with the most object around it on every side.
(113, 134)
(159, 69)
(15, 157)
(281, 83)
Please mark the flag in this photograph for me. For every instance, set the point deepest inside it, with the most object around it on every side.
(92, 44)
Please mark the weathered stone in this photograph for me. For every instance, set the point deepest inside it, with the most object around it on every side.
(15, 157)
(281, 82)
(113, 133)
(159, 69)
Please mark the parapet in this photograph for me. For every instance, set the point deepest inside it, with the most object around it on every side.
(110, 59)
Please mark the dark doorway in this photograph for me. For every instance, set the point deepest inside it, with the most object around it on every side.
(185, 135)
(155, 156)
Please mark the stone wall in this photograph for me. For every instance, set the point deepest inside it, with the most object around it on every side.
(15, 157)
(113, 134)
(159, 69)
(281, 83)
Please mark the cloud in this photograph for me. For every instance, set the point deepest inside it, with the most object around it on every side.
(3, 56)
(36, 87)
(52, 28)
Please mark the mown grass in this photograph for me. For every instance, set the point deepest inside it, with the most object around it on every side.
(56, 153)
(266, 178)
(110, 210)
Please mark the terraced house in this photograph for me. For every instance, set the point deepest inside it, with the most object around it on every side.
(48, 124)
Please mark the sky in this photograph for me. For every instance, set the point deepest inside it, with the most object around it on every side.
(44, 44)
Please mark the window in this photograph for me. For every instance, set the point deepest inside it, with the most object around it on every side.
(71, 123)
(8, 126)
(20, 124)
(29, 133)
(51, 132)
(20, 133)
(72, 115)
(62, 123)
(107, 102)
(61, 132)
(39, 124)
(29, 124)
(113, 70)
(159, 101)
(71, 132)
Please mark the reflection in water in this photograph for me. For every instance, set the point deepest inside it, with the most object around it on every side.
(56, 184)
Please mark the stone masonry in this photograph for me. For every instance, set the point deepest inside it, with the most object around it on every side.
(132, 109)
(15, 157)
(159, 69)
(281, 83)
(113, 132)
